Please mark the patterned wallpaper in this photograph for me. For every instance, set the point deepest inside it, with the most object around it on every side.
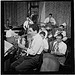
(21, 12)
(16, 12)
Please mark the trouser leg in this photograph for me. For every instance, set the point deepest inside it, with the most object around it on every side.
(20, 60)
(28, 65)
(25, 66)
(14, 64)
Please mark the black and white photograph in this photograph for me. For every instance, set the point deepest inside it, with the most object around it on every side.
(37, 37)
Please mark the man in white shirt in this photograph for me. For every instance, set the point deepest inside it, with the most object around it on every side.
(50, 19)
(27, 22)
(62, 31)
(44, 30)
(62, 47)
(34, 52)
(59, 49)
(10, 34)
(45, 41)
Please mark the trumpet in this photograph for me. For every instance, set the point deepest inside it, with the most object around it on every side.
(24, 35)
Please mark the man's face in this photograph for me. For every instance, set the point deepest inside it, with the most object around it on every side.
(31, 31)
(42, 36)
(7, 21)
(27, 18)
(42, 28)
(61, 28)
(58, 38)
(50, 16)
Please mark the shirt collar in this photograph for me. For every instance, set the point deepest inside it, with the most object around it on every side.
(58, 42)
(35, 36)
(10, 29)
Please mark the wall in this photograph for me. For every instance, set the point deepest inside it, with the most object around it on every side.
(61, 11)
(16, 12)
(41, 11)
(21, 12)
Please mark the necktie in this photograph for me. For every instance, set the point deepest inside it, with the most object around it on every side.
(56, 46)
(30, 43)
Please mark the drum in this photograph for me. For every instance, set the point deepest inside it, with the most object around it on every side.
(50, 63)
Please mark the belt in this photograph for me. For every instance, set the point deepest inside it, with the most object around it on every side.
(34, 55)
(60, 55)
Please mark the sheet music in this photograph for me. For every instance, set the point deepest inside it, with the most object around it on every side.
(7, 46)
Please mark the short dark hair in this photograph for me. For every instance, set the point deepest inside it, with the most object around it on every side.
(61, 26)
(7, 20)
(42, 26)
(10, 27)
(60, 35)
(50, 14)
(27, 15)
(42, 33)
(34, 27)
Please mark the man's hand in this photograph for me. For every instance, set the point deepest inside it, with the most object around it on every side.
(25, 49)
(26, 52)
(58, 53)
(52, 52)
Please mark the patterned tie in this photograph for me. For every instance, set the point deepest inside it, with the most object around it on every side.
(56, 47)
(30, 43)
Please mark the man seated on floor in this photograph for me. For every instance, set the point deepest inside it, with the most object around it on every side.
(45, 41)
(59, 49)
(34, 53)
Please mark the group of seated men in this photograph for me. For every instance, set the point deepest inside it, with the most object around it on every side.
(39, 42)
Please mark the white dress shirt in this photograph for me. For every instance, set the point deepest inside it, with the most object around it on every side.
(52, 20)
(36, 46)
(10, 33)
(45, 44)
(50, 36)
(63, 33)
(26, 23)
(62, 47)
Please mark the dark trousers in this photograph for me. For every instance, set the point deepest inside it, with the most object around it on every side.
(27, 63)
